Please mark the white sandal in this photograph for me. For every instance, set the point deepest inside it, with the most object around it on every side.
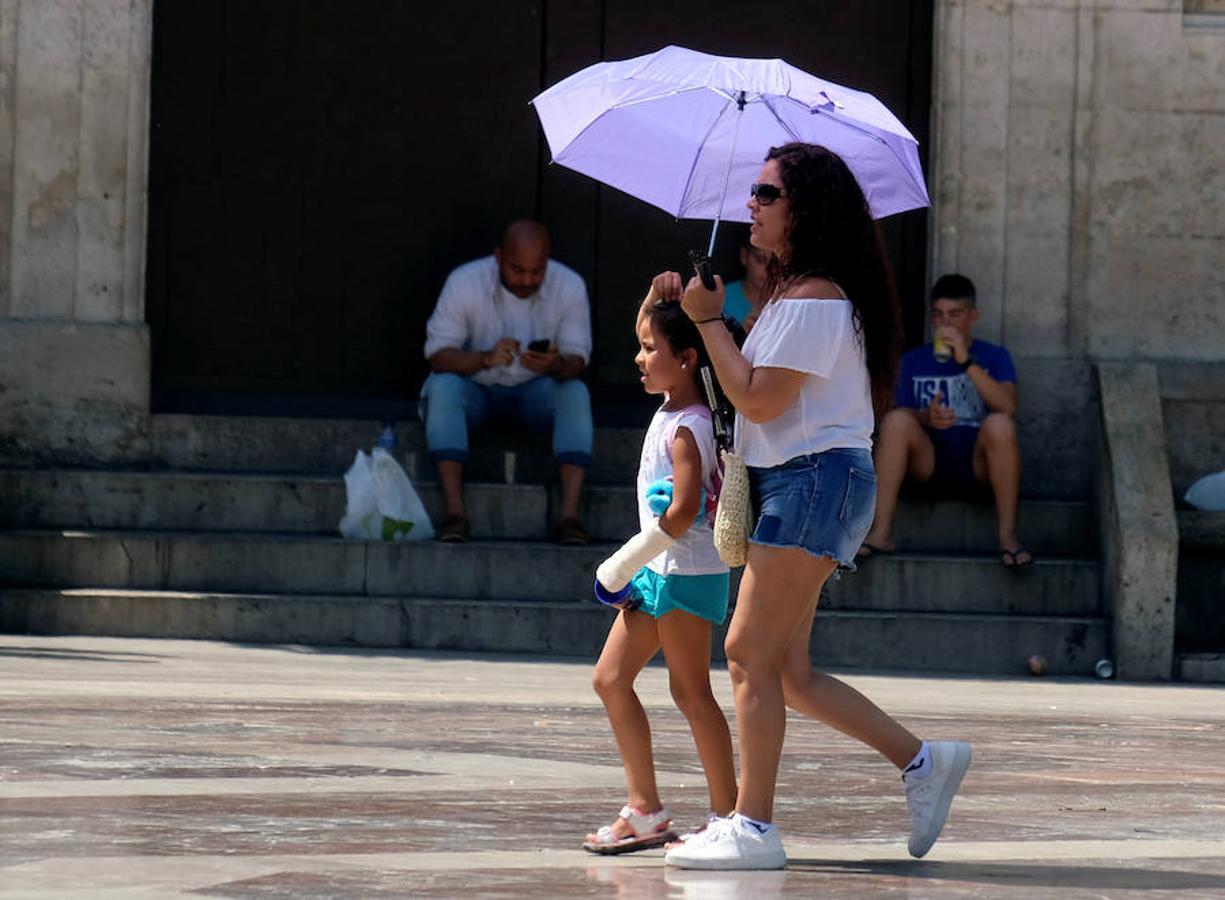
(647, 830)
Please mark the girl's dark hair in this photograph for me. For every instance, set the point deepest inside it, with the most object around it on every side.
(682, 335)
(679, 329)
(831, 235)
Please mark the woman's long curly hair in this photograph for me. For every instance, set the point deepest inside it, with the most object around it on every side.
(831, 234)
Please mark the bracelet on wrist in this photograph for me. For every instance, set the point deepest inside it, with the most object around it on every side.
(711, 319)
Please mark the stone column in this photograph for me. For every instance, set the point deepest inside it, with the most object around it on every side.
(1076, 173)
(1139, 531)
(74, 349)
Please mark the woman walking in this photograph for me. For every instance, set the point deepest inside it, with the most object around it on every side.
(823, 350)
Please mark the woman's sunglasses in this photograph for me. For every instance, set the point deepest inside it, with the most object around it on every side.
(766, 193)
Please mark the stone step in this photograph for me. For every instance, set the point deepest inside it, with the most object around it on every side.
(968, 584)
(327, 447)
(1202, 667)
(312, 504)
(215, 501)
(1062, 528)
(488, 570)
(980, 644)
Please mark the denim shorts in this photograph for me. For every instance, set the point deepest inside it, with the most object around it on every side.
(822, 503)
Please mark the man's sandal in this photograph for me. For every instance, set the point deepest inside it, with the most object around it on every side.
(1012, 559)
(646, 830)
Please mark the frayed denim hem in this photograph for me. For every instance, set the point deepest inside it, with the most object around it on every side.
(847, 566)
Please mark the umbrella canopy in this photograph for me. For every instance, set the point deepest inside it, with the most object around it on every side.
(677, 127)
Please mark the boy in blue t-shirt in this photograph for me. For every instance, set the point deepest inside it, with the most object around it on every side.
(953, 424)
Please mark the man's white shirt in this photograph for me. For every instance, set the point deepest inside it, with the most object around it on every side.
(475, 311)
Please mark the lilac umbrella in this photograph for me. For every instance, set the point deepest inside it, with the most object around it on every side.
(677, 127)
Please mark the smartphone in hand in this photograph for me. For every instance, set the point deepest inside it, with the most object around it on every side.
(540, 346)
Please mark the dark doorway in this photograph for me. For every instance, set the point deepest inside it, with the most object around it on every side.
(318, 166)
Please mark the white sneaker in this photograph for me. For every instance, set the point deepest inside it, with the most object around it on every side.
(928, 799)
(730, 844)
(711, 818)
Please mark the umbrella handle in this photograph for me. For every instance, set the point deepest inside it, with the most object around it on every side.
(703, 265)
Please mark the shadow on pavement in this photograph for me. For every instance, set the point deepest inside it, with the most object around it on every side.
(89, 655)
(1026, 874)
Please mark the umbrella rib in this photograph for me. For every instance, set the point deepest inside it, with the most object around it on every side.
(694, 164)
(626, 105)
(655, 98)
(845, 124)
(892, 150)
(781, 121)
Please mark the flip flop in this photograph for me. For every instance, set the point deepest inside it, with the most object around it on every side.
(1009, 558)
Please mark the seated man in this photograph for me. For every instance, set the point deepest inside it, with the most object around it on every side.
(510, 335)
(953, 425)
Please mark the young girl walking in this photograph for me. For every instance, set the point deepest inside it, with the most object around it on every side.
(667, 581)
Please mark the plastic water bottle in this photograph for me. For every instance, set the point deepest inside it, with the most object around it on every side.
(388, 439)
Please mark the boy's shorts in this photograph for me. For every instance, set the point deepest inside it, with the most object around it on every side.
(704, 596)
(953, 474)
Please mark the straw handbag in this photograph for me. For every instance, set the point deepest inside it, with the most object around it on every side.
(732, 514)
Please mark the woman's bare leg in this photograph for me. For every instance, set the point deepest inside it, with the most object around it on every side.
(777, 594)
(826, 699)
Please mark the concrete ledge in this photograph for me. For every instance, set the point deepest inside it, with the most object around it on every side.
(1202, 668)
(314, 504)
(73, 394)
(1195, 431)
(519, 571)
(327, 446)
(1139, 533)
(980, 644)
(1192, 381)
(1193, 408)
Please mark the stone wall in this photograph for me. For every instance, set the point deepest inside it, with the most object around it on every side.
(1193, 407)
(1078, 165)
(74, 349)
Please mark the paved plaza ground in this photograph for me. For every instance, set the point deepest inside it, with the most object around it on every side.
(140, 768)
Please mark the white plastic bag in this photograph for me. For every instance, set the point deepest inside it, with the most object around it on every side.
(1208, 492)
(381, 503)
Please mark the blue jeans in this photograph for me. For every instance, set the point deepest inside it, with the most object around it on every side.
(451, 404)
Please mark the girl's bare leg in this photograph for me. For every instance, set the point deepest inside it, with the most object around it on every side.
(632, 641)
(686, 645)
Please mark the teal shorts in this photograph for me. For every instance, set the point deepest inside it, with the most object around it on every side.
(704, 596)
